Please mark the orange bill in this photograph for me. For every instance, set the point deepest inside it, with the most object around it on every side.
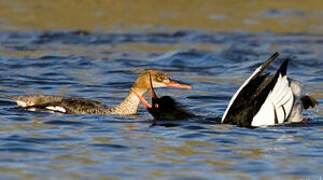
(177, 84)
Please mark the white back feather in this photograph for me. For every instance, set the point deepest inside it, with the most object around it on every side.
(278, 104)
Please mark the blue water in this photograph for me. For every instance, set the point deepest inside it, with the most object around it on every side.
(103, 66)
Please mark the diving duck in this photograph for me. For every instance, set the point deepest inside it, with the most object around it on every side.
(163, 108)
(265, 100)
(74, 105)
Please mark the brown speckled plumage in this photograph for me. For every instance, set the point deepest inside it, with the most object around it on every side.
(73, 105)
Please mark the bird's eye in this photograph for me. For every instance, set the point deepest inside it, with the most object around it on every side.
(156, 105)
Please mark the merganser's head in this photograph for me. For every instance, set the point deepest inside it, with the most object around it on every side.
(159, 105)
(158, 79)
(163, 107)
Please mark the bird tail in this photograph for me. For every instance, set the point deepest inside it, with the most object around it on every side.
(309, 101)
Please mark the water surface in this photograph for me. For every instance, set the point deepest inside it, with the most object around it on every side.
(103, 66)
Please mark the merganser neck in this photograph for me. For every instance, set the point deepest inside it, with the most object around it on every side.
(130, 104)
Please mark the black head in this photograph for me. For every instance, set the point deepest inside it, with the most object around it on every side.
(162, 107)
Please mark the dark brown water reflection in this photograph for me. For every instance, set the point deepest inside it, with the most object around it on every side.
(160, 15)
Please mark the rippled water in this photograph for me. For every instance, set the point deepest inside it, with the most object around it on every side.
(103, 66)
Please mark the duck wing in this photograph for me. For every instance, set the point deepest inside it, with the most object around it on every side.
(75, 106)
(251, 98)
(40, 102)
(278, 103)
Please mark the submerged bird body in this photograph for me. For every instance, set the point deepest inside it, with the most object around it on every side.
(265, 99)
(74, 105)
(165, 107)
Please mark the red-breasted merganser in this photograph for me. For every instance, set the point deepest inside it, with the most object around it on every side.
(164, 108)
(74, 105)
(265, 100)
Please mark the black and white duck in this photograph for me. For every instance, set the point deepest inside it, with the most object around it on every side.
(265, 100)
